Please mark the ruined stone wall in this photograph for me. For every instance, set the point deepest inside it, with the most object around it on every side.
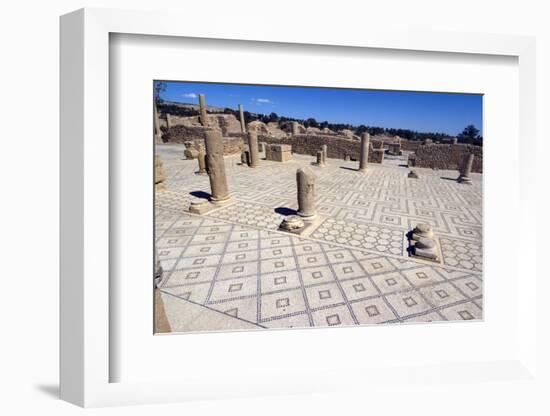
(337, 147)
(410, 145)
(446, 156)
(194, 138)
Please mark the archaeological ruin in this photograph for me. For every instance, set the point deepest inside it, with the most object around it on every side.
(283, 224)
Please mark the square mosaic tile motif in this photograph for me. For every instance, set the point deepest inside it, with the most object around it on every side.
(351, 270)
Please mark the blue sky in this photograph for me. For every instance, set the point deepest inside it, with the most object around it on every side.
(420, 111)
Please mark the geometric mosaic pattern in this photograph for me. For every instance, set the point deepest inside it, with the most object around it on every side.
(351, 270)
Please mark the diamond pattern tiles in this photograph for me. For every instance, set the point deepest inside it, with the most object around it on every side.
(275, 280)
(352, 269)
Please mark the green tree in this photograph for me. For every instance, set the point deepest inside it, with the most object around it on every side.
(159, 86)
(273, 117)
(469, 134)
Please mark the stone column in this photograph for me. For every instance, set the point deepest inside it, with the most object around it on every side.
(364, 155)
(202, 107)
(306, 192)
(216, 167)
(201, 158)
(325, 151)
(466, 169)
(295, 129)
(157, 278)
(241, 115)
(253, 148)
(320, 158)
(168, 121)
(158, 132)
(160, 177)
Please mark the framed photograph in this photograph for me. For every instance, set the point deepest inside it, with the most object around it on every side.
(289, 213)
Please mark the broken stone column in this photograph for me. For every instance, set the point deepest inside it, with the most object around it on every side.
(158, 269)
(423, 243)
(216, 167)
(158, 131)
(253, 148)
(241, 115)
(295, 129)
(168, 121)
(201, 158)
(159, 175)
(466, 169)
(292, 223)
(320, 161)
(324, 148)
(202, 107)
(306, 193)
(364, 155)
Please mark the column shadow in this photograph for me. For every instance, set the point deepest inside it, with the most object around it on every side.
(285, 211)
(200, 194)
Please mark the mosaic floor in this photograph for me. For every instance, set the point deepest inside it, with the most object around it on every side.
(232, 266)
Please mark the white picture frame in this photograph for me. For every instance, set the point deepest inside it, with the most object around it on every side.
(86, 355)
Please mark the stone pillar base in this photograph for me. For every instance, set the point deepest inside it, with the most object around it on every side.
(362, 170)
(307, 217)
(423, 244)
(223, 201)
(203, 206)
(464, 179)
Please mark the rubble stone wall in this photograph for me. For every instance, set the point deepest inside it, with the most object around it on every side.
(446, 156)
(194, 138)
(337, 147)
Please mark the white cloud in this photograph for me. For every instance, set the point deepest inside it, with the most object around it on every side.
(262, 101)
(190, 95)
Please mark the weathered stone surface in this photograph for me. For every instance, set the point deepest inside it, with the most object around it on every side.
(201, 158)
(202, 106)
(320, 159)
(216, 167)
(253, 148)
(295, 130)
(425, 243)
(279, 153)
(168, 121)
(430, 254)
(305, 180)
(157, 132)
(241, 117)
(466, 169)
(364, 154)
(339, 146)
(446, 156)
(193, 137)
(292, 222)
(423, 231)
(160, 177)
(324, 148)
(191, 153)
